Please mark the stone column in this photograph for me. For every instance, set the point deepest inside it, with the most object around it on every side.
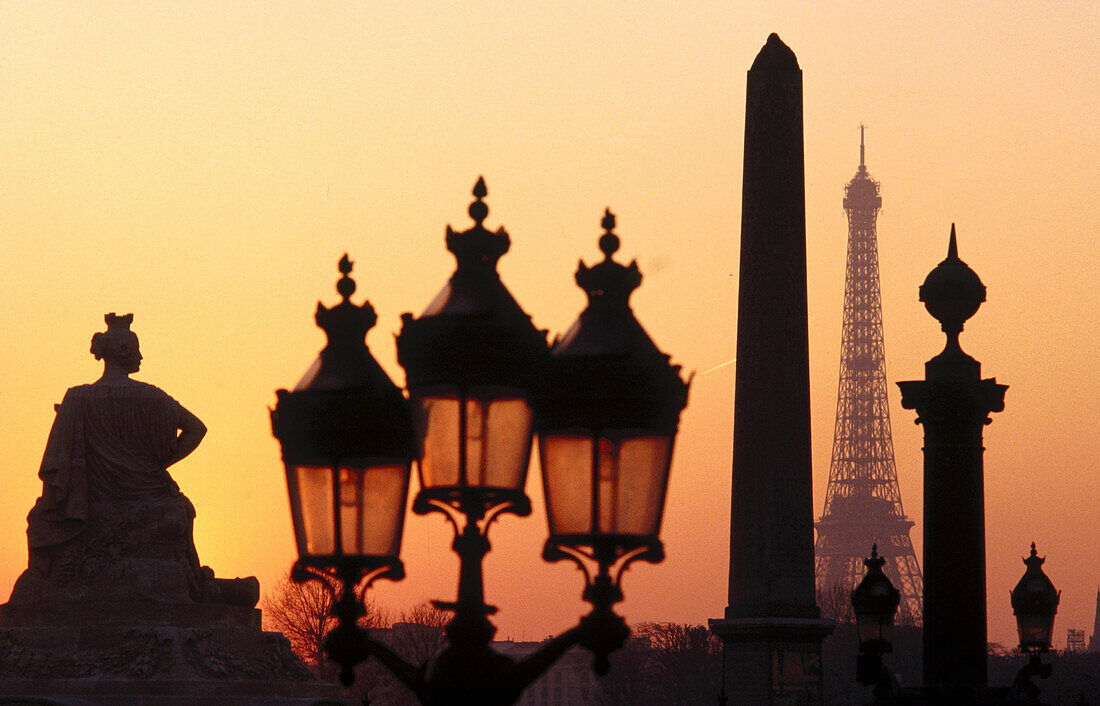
(772, 630)
(953, 403)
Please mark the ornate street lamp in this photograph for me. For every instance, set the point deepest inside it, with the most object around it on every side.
(470, 361)
(347, 443)
(875, 603)
(607, 413)
(609, 404)
(1034, 601)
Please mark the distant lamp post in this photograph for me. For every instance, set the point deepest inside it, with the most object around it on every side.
(608, 411)
(476, 368)
(347, 443)
(1034, 601)
(875, 603)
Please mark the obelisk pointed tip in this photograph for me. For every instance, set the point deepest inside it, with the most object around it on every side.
(775, 56)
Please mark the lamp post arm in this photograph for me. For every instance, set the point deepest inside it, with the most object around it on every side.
(409, 675)
(349, 645)
(530, 668)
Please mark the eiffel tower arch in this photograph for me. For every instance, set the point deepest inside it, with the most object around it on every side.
(862, 501)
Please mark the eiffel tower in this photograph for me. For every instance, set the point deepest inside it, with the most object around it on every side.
(862, 502)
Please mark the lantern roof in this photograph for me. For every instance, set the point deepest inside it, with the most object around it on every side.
(875, 593)
(1034, 594)
(346, 361)
(606, 371)
(474, 331)
(345, 407)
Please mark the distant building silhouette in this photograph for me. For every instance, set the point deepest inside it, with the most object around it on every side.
(1075, 640)
(863, 502)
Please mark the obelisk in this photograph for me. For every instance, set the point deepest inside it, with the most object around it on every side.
(772, 630)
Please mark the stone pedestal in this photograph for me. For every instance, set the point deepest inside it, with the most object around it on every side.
(148, 652)
(772, 660)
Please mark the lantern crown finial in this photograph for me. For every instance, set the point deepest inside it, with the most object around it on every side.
(608, 281)
(1034, 559)
(345, 360)
(346, 324)
(345, 285)
(479, 210)
(874, 563)
(478, 246)
(609, 242)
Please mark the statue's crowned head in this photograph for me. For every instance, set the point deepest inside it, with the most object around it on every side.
(118, 344)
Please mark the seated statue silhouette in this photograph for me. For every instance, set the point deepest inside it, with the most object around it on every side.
(111, 526)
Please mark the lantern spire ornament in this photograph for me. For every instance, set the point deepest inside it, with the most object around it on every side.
(608, 282)
(478, 246)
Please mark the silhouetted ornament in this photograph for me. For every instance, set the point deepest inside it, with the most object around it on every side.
(875, 602)
(470, 360)
(1035, 601)
(952, 292)
(347, 442)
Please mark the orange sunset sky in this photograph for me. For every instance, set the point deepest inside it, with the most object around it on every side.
(205, 165)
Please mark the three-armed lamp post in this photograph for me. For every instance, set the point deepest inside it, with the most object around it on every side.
(1034, 601)
(875, 603)
(606, 404)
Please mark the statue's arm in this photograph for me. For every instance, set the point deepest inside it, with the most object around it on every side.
(191, 431)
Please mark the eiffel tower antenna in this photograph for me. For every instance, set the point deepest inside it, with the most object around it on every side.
(863, 502)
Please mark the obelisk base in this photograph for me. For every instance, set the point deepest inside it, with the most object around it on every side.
(772, 660)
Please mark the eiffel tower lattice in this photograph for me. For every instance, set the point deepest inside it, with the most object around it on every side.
(862, 501)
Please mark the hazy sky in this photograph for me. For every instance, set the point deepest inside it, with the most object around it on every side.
(205, 165)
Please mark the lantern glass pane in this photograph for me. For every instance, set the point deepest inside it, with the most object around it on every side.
(886, 629)
(315, 493)
(868, 626)
(1035, 630)
(372, 509)
(633, 474)
(498, 437)
(436, 418)
(498, 441)
(567, 477)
